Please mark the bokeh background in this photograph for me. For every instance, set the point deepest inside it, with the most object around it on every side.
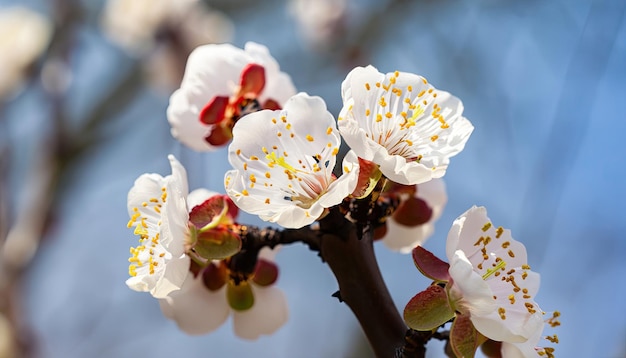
(544, 83)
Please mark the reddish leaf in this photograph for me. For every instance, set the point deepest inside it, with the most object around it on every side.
(413, 212)
(215, 110)
(240, 297)
(464, 338)
(265, 273)
(252, 80)
(233, 210)
(369, 174)
(428, 309)
(201, 215)
(430, 265)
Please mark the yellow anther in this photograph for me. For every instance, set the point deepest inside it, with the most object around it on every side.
(140, 230)
(486, 227)
(309, 138)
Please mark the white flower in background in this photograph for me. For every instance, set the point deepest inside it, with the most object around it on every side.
(202, 305)
(221, 84)
(158, 212)
(320, 22)
(134, 24)
(283, 162)
(491, 280)
(24, 35)
(400, 122)
(403, 238)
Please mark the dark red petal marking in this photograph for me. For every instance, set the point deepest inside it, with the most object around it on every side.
(220, 135)
(271, 104)
(214, 111)
(252, 80)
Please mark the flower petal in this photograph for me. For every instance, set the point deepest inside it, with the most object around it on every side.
(403, 238)
(268, 314)
(469, 289)
(195, 309)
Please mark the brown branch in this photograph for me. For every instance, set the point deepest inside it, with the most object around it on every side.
(361, 285)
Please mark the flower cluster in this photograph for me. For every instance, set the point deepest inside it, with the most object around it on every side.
(284, 149)
(487, 282)
(186, 242)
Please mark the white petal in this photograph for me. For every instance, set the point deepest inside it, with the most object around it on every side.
(403, 238)
(196, 309)
(266, 316)
(278, 85)
(524, 349)
(174, 274)
(345, 184)
(183, 117)
(473, 292)
(517, 324)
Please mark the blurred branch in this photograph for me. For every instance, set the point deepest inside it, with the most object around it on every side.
(54, 155)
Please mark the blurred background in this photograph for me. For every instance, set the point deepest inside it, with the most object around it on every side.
(84, 86)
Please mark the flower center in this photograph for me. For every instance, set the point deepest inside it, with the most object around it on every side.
(405, 120)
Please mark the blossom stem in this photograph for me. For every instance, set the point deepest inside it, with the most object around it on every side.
(361, 285)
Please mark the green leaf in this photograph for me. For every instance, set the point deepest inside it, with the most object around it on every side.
(428, 309)
(217, 244)
(240, 297)
(430, 265)
(464, 338)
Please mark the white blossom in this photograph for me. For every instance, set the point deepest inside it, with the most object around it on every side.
(220, 72)
(491, 279)
(402, 123)
(283, 163)
(159, 215)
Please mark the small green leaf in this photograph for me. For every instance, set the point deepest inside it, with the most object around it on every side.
(464, 338)
(428, 309)
(217, 244)
(430, 265)
(240, 297)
